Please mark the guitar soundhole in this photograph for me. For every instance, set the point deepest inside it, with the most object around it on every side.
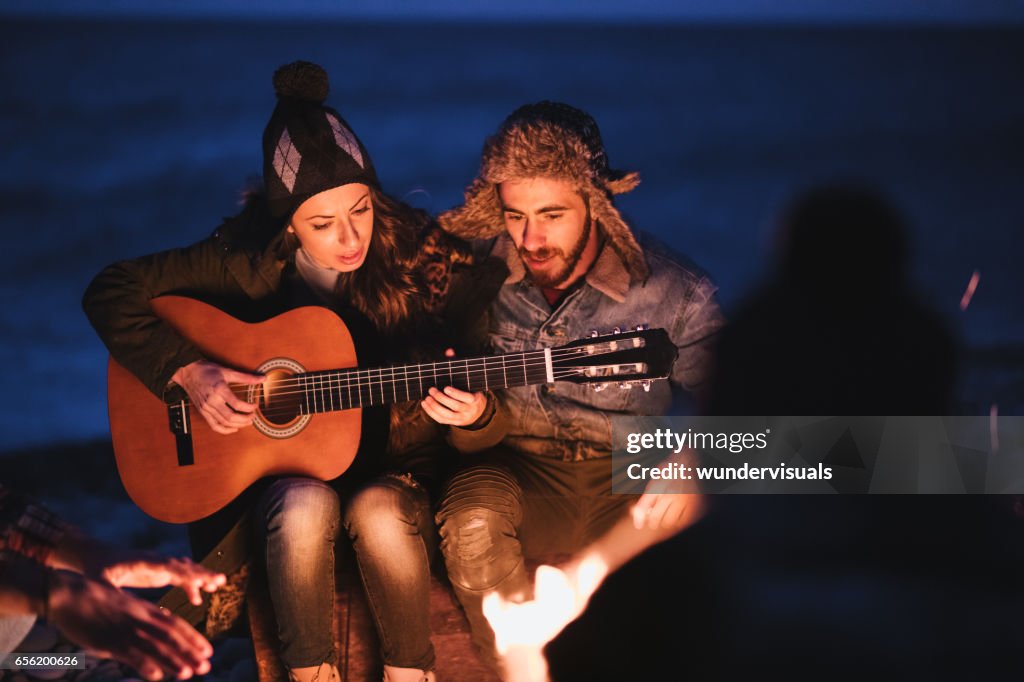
(279, 399)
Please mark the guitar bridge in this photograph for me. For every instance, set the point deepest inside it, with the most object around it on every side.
(178, 418)
(180, 424)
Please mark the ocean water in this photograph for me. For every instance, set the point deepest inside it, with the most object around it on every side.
(122, 138)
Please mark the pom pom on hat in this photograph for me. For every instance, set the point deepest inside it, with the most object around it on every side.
(303, 81)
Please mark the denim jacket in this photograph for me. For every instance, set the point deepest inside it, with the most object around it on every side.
(572, 421)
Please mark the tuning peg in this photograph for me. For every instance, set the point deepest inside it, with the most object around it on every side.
(598, 387)
(625, 384)
(641, 327)
(617, 330)
(647, 385)
(594, 333)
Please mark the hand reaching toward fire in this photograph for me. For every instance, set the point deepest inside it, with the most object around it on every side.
(118, 625)
(118, 567)
(669, 505)
(142, 569)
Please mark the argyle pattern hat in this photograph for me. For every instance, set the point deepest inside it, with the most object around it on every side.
(308, 147)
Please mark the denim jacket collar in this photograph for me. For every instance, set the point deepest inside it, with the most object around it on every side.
(608, 274)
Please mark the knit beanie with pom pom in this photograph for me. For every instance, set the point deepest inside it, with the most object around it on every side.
(308, 147)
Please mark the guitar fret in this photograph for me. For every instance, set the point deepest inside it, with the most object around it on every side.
(394, 384)
(380, 379)
(486, 388)
(311, 389)
(504, 374)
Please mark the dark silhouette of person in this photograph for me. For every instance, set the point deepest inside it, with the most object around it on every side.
(820, 586)
(837, 330)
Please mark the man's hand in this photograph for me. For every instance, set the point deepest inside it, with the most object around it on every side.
(207, 384)
(123, 627)
(452, 406)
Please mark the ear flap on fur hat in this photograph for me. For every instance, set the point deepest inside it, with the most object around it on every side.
(618, 234)
(626, 183)
(479, 217)
(555, 140)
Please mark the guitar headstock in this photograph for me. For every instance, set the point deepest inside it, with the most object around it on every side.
(625, 357)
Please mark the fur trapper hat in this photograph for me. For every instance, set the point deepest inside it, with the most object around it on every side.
(549, 139)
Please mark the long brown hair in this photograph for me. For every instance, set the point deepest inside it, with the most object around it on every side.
(386, 288)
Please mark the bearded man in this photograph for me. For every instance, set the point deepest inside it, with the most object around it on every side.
(543, 207)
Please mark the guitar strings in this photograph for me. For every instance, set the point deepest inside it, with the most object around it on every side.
(347, 375)
(271, 413)
(348, 380)
(352, 378)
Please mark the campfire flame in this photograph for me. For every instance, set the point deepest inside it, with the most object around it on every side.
(522, 630)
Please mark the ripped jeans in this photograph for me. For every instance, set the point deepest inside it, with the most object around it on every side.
(388, 521)
(509, 508)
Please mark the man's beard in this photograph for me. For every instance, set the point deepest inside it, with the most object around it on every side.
(552, 279)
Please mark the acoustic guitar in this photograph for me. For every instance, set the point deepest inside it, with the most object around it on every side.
(308, 415)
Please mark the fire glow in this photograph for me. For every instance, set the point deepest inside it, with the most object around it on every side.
(522, 630)
(972, 285)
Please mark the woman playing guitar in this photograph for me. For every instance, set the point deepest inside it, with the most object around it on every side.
(320, 233)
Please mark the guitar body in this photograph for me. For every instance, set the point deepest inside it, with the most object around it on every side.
(149, 455)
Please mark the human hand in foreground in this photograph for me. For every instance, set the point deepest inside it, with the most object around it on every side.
(124, 568)
(659, 509)
(208, 386)
(121, 626)
(452, 406)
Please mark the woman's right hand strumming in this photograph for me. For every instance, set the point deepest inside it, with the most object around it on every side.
(207, 384)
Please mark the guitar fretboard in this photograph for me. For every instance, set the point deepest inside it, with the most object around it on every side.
(330, 390)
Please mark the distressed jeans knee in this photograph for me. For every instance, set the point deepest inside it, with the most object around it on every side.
(478, 518)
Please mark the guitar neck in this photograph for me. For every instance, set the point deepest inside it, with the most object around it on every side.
(343, 389)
